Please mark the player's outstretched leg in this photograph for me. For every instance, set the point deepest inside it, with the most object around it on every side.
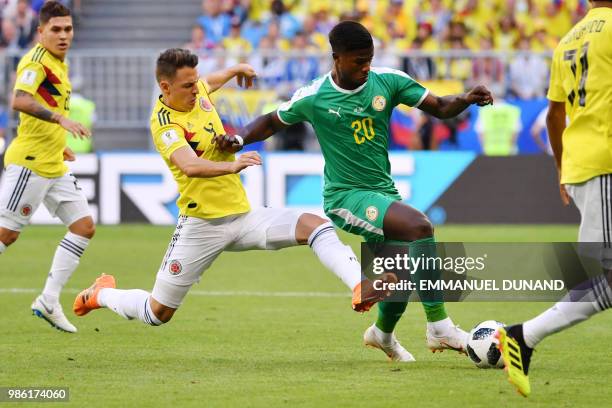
(406, 226)
(340, 259)
(130, 304)
(517, 342)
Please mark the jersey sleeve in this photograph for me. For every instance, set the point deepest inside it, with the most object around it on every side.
(298, 109)
(29, 77)
(168, 139)
(555, 89)
(407, 91)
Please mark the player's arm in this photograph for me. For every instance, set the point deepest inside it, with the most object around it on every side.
(244, 74)
(555, 124)
(258, 130)
(193, 166)
(444, 107)
(24, 102)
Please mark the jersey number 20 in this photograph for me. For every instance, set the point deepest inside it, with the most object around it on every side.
(367, 126)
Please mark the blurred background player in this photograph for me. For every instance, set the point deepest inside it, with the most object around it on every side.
(34, 161)
(83, 111)
(215, 214)
(352, 105)
(581, 87)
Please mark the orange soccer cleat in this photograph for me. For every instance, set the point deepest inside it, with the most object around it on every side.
(365, 296)
(87, 300)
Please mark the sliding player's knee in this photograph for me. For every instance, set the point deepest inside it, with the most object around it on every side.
(7, 236)
(162, 313)
(307, 224)
(85, 227)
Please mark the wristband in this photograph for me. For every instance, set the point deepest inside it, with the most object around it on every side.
(239, 139)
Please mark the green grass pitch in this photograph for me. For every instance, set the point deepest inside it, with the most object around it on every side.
(230, 344)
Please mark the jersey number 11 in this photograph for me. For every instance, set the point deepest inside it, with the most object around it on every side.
(570, 55)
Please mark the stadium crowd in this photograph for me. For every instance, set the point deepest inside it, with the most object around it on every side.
(241, 26)
(462, 41)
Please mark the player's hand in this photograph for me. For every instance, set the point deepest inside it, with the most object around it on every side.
(565, 198)
(480, 96)
(75, 128)
(227, 143)
(245, 75)
(69, 155)
(245, 160)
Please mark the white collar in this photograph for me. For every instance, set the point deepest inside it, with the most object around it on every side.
(345, 91)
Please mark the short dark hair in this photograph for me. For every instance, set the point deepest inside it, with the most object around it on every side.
(172, 60)
(350, 36)
(52, 9)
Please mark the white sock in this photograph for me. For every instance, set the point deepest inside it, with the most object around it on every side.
(66, 259)
(337, 257)
(2, 247)
(580, 303)
(385, 338)
(130, 304)
(441, 327)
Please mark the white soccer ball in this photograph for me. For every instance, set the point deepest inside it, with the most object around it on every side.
(482, 346)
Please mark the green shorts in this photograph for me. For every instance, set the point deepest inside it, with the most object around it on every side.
(360, 212)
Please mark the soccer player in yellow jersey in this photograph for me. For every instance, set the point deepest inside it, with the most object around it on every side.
(215, 214)
(581, 88)
(34, 162)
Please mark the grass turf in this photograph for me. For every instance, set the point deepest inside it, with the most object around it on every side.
(255, 350)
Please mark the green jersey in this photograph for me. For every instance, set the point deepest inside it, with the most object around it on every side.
(353, 126)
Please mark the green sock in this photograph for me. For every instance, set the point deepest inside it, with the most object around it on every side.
(434, 308)
(389, 314)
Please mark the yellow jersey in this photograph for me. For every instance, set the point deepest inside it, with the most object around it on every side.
(213, 197)
(39, 145)
(581, 76)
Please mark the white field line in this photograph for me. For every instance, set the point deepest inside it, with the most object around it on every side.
(243, 293)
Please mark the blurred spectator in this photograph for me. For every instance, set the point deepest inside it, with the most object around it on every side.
(541, 40)
(507, 34)
(275, 40)
(324, 21)
(456, 67)
(238, 10)
(421, 68)
(24, 23)
(287, 23)
(498, 127)
(528, 73)
(488, 70)
(269, 66)
(309, 28)
(436, 14)
(199, 43)
(214, 21)
(558, 18)
(237, 47)
(301, 68)
(385, 55)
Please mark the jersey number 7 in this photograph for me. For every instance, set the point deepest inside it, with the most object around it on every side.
(570, 55)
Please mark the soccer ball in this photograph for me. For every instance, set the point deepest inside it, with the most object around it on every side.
(481, 345)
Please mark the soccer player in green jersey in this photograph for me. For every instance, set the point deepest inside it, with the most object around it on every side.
(350, 108)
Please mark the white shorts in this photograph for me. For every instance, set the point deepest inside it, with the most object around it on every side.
(594, 201)
(197, 242)
(22, 191)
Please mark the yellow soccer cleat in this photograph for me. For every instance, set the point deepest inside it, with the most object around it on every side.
(517, 357)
